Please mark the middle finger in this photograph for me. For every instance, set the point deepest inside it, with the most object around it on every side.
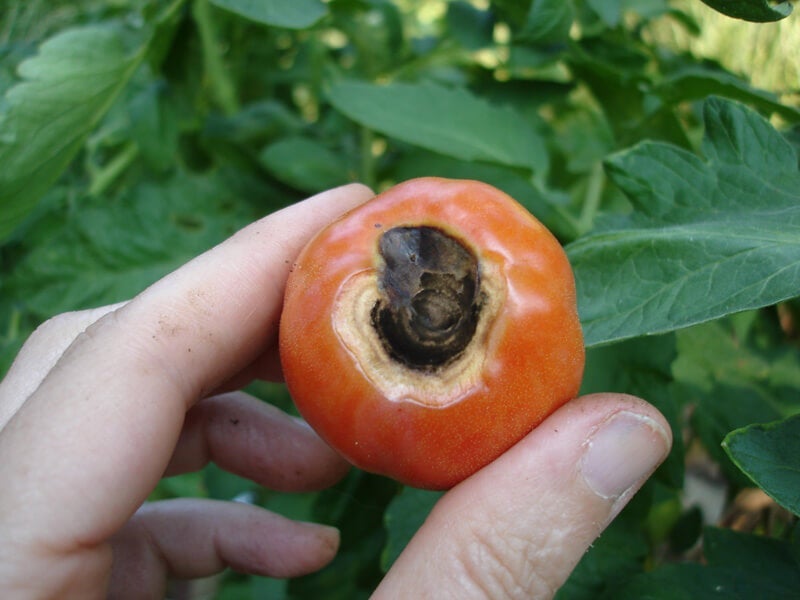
(255, 440)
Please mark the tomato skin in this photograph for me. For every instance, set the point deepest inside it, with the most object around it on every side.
(534, 355)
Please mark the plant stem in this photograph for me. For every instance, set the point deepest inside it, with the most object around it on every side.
(108, 174)
(219, 79)
(367, 174)
(8, 27)
(591, 202)
(13, 325)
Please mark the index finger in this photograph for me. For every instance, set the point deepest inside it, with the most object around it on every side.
(97, 434)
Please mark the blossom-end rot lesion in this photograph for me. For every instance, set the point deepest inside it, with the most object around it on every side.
(418, 322)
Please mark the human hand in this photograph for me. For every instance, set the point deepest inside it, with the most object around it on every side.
(518, 527)
(100, 404)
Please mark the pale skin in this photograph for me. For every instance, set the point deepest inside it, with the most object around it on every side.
(101, 404)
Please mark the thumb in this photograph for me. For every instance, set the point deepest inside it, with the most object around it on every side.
(518, 527)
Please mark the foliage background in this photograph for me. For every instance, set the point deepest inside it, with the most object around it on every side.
(657, 139)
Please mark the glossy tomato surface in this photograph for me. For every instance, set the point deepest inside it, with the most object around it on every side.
(431, 425)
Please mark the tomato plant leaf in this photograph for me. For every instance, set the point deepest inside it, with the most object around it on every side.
(616, 555)
(291, 14)
(468, 25)
(610, 11)
(721, 410)
(12, 331)
(697, 82)
(404, 516)
(545, 205)
(155, 126)
(691, 581)
(548, 21)
(65, 90)
(223, 485)
(740, 566)
(101, 255)
(729, 382)
(729, 548)
(795, 541)
(356, 506)
(304, 164)
(770, 455)
(759, 11)
(451, 121)
(726, 353)
(706, 239)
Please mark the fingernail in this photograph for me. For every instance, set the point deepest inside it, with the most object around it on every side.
(624, 450)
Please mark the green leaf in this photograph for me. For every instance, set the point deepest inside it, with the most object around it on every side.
(584, 139)
(469, 26)
(404, 516)
(727, 381)
(740, 567)
(107, 253)
(451, 121)
(356, 506)
(186, 485)
(375, 30)
(263, 587)
(772, 558)
(698, 82)
(513, 11)
(13, 331)
(722, 352)
(770, 455)
(254, 123)
(693, 581)
(727, 352)
(721, 411)
(610, 11)
(155, 126)
(291, 14)
(545, 205)
(616, 555)
(222, 485)
(686, 530)
(616, 69)
(295, 506)
(548, 21)
(795, 543)
(759, 11)
(652, 9)
(706, 238)
(305, 164)
(66, 89)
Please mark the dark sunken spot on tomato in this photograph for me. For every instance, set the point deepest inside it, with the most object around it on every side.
(430, 296)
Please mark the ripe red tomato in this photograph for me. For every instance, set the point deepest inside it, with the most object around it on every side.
(427, 331)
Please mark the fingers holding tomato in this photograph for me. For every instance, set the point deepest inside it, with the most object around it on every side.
(427, 331)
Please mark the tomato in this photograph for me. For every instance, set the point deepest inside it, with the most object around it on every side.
(427, 331)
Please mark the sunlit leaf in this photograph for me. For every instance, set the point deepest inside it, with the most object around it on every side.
(304, 164)
(708, 237)
(292, 14)
(451, 121)
(65, 90)
(760, 11)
